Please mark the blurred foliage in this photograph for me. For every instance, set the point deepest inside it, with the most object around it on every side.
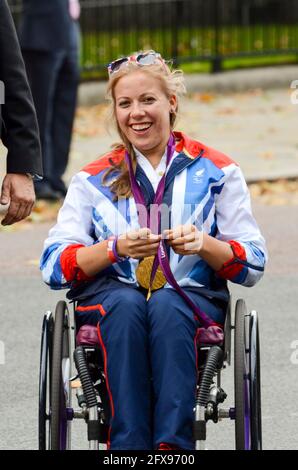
(238, 47)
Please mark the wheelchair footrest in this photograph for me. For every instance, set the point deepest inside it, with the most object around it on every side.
(98, 431)
(199, 430)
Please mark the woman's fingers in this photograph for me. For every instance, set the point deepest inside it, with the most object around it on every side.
(184, 239)
(193, 236)
(179, 232)
(143, 234)
(144, 251)
(139, 244)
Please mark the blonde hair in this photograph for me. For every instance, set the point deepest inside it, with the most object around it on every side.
(173, 85)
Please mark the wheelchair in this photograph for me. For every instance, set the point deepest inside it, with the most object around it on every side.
(57, 385)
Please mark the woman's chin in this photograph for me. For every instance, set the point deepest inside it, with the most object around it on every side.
(143, 145)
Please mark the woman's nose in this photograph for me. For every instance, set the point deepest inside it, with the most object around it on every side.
(137, 110)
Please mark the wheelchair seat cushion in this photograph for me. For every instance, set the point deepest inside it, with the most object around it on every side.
(87, 336)
(211, 335)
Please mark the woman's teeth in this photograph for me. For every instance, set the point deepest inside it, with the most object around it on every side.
(141, 127)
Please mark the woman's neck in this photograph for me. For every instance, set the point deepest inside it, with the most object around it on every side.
(155, 155)
(154, 160)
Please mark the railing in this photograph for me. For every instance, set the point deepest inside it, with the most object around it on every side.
(185, 30)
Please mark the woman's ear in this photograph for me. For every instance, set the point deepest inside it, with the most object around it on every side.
(173, 104)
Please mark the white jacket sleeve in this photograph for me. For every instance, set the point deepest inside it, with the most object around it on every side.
(236, 222)
(74, 227)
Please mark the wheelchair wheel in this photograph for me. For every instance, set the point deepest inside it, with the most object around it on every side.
(255, 383)
(45, 380)
(60, 393)
(248, 431)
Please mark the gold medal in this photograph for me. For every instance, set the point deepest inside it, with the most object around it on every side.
(143, 273)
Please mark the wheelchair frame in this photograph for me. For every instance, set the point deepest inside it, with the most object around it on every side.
(56, 384)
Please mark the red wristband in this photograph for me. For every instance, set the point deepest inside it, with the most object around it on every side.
(110, 251)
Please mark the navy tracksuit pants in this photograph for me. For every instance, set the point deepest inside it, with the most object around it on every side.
(149, 351)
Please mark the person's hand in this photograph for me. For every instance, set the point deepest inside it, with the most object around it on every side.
(18, 192)
(74, 9)
(138, 244)
(184, 239)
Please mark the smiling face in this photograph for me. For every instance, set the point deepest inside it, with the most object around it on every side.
(142, 110)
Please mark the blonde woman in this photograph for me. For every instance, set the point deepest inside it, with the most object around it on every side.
(146, 240)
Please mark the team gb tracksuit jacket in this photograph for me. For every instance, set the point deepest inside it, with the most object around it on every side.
(203, 187)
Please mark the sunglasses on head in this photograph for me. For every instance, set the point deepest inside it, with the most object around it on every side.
(147, 58)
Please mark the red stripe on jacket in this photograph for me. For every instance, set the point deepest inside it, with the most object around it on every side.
(70, 269)
(106, 161)
(193, 148)
(232, 268)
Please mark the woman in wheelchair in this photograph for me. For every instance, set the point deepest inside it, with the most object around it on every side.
(146, 240)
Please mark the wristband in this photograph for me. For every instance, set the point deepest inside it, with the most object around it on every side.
(112, 251)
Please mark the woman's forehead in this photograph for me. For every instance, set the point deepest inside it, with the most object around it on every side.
(137, 83)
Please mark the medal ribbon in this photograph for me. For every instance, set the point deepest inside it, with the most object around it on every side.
(161, 257)
(139, 197)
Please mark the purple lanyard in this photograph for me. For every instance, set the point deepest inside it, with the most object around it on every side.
(136, 190)
(161, 257)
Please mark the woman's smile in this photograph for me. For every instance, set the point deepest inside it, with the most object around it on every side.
(141, 128)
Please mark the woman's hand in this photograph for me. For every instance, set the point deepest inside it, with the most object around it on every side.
(138, 244)
(184, 239)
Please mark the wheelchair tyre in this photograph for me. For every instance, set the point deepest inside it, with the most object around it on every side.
(247, 380)
(255, 383)
(242, 412)
(45, 380)
(60, 393)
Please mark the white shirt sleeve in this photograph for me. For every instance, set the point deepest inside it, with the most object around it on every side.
(236, 222)
(74, 226)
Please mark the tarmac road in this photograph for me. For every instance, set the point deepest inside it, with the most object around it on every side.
(24, 299)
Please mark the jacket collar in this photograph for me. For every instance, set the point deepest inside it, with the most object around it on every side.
(184, 145)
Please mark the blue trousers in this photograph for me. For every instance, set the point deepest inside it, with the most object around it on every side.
(150, 356)
(54, 77)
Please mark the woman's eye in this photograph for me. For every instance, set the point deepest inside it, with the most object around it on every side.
(149, 99)
(124, 104)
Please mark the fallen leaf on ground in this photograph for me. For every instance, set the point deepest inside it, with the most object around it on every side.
(255, 92)
(227, 111)
(266, 155)
(278, 108)
(277, 193)
(204, 97)
(22, 225)
(33, 262)
(45, 211)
